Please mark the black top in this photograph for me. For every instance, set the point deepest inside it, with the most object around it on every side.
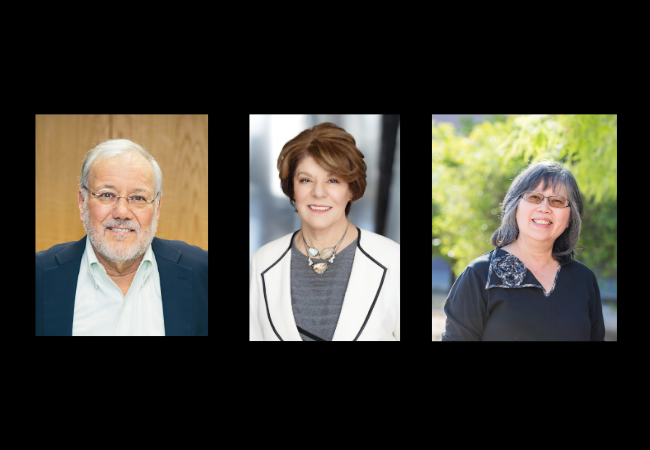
(513, 305)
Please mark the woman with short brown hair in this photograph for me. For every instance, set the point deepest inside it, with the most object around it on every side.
(330, 280)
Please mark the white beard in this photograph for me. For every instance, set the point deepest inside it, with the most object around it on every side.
(115, 253)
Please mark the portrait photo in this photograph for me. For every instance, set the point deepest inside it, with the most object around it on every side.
(324, 228)
(114, 256)
(524, 227)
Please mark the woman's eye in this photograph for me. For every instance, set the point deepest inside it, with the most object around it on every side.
(332, 179)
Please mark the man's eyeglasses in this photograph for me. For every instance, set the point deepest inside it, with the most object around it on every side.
(555, 201)
(110, 198)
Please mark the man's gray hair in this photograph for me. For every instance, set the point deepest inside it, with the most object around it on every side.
(551, 172)
(114, 148)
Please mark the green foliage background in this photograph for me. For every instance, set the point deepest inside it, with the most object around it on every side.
(472, 171)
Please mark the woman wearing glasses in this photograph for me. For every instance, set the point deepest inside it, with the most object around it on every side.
(530, 287)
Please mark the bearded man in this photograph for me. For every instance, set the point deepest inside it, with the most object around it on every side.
(119, 279)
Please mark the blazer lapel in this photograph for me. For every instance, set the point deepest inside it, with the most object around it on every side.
(60, 288)
(175, 289)
(276, 281)
(364, 287)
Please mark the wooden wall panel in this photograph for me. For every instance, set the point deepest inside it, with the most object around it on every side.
(61, 144)
(179, 143)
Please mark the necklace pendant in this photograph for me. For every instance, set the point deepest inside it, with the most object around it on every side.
(327, 253)
(313, 251)
(320, 268)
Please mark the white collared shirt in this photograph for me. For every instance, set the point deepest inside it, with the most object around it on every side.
(100, 308)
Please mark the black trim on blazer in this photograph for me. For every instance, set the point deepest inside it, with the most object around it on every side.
(378, 290)
(264, 285)
(308, 334)
(299, 329)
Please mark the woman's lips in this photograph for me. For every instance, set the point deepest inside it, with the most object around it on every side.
(319, 211)
(541, 225)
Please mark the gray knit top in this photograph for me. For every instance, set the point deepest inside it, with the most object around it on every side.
(316, 299)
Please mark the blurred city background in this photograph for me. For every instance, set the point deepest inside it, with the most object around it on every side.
(474, 160)
(376, 136)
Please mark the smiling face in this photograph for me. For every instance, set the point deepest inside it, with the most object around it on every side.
(125, 173)
(315, 186)
(559, 217)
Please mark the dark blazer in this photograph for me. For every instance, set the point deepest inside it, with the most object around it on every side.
(183, 271)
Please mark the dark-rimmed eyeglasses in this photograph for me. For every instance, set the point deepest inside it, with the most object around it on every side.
(556, 201)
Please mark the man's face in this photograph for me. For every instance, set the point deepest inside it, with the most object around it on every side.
(126, 174)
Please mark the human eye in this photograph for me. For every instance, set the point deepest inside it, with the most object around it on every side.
(557, 201)
(137, 197)
(331, 179)
(106, 193)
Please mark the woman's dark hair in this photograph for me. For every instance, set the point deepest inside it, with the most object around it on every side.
(554, 174)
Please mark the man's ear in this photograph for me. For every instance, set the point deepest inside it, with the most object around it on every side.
(80, 202)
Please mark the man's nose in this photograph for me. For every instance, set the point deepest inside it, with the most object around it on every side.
(122, 208)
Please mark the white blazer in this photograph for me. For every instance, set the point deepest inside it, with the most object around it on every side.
(370, 310)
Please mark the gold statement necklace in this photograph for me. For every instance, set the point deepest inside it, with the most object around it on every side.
(326, 253)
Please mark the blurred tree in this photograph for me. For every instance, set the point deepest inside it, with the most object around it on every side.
(496, 117)
(472, 174)
(466, 125)
(586, 142)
